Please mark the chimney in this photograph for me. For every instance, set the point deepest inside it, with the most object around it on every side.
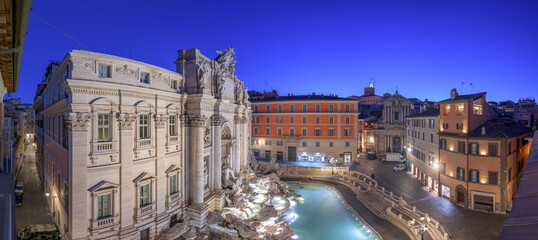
(483, 131)
(453, 93)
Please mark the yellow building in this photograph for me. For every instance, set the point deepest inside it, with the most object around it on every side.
(481, 157)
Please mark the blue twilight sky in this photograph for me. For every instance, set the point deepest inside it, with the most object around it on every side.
(423, 48)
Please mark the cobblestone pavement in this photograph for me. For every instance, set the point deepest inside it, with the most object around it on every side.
(34, 209)
(460, 222)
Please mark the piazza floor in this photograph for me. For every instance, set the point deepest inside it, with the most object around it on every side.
(460, 222)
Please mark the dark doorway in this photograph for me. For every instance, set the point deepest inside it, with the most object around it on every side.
(396, 144)
(292, 153)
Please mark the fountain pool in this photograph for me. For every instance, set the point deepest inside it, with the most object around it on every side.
(322, 214)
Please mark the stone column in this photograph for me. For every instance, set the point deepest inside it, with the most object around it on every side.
(237, 146)
(196, 125)
(244, 142)
(126, 145)
(216, 122)
(77, 124)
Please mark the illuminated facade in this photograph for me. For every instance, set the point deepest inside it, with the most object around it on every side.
(390, 130)
(480, 158)
(130, 149)
(305, 128)
(423, 146)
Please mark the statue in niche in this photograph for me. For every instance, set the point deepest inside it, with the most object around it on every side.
(206, 174)
(204, 71)
(220, 87)
(207, 136)
(245, 96)
(238, 92)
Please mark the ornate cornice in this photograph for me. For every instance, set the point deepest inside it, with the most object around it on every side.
(217, 120)
(126, 120)
(160, 120)
(77, 122)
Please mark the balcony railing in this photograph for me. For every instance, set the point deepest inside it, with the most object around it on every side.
(103, 147)
(144, 210)
(144, 143)
(105, 222)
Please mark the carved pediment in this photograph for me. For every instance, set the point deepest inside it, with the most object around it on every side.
(172, 168)
(103, 185)
(143, 177)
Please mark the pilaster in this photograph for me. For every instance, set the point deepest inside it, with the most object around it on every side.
(161, 181)
(77, 125)
(126, 144)
(216, 122)
(197, 209)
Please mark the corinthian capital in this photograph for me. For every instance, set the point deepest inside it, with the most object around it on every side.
(160, 120)
(77, 122)
(217, 120)
(126, 120)
(194, 120)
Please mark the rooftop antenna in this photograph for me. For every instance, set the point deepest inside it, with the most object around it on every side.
(471, 84)
(461, 89)
(372, 82)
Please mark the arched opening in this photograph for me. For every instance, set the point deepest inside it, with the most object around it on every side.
(461, 194)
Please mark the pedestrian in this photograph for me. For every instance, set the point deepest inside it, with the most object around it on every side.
(372, 176)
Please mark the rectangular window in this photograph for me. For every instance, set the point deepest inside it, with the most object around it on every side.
(431, 137)
(331, 120)
(331, 144)
(279, 119)
(347, 120)
(461, 147)
(267, 108)
(304, 132)
(267, 119)
(279, 143)
(347, 144)
(492, 177)
(144, 234)
(318, 120)
(144, 195)
(347, 107)
(173, 84)
(447, 109)
(304, 119)
(509, 148)
(461, 173)
(317, 144)
(459, 126)
(492, 149)
(292, 120)
(331, 107)
(331, 132)
(477, 107)
(445, 126)
(509, 175)
(304, 144)
(279, 108)
(172, 125)
(473, 174)
(256, 109)
(173, 184)
(304, 107)
(292, 132)
(278, 131)
(267, 131)
(318, 108)
(473, 148)
(103, 206)
(459, 111)
(256, 131)
(143, 126)
(268, 142)
(144, 77)
(317, 132)
(103, 127)
(292, 108)
(104, 71)
(442, 143)
(347, 132)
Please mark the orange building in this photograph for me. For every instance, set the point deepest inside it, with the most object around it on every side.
(481, 158)
(305, 128)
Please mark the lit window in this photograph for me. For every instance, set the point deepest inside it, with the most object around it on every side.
(460, 109)
(477, 107)
(447, 109)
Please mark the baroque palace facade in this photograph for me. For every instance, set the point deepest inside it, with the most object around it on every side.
(390, 130)
(130, 148)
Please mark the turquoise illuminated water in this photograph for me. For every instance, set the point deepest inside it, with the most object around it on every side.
(322, 215)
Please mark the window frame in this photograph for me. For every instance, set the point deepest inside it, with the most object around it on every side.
(143, 128)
